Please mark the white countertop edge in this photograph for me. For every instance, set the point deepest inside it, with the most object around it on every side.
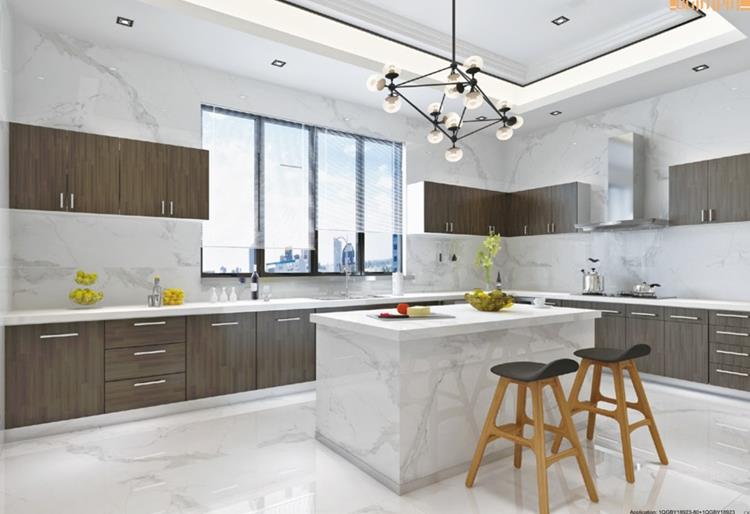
(443, 328)
(42, 316)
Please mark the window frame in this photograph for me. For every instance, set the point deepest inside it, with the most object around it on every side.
(260, 257)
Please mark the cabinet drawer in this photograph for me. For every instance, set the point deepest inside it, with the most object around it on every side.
(730, 319)
(729, 335)
(553, 302)
(609, 309)
(573, 304)
(144, 332)
(644, 312)
(686, 315)
(731, 354)
(724, 375)
(144, 392)
(144, 361)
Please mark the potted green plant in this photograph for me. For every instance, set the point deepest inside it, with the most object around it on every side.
(491, 300)
(486, 257)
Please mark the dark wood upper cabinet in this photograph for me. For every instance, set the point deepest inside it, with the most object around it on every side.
(438, 205)
(38, 167)
(286, 348)
(53, 372)
(143, 178)
(93, 174)
(729, 189)
(565, 204)
(538, 204)
(517, 214)
(187, 182)
(688, 193)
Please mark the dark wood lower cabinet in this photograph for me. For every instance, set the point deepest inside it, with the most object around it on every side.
(144, 392)
(286, 348)
(650, 332)
(53, 372)
(611, 332)
(221, 357)
(686, 351)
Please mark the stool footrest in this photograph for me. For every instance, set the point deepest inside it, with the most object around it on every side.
(642, 423)
(570, 452)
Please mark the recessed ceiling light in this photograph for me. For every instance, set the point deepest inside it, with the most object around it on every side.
(40, 77)
(481, 118)
(278, 63)
(701, 67)
(561, 20)
(242, 97)
(125, 22)
(556, 113)
(112, 68)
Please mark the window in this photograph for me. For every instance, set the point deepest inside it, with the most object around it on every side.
(298, 199)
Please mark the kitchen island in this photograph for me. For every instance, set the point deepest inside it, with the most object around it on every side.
(405, 400)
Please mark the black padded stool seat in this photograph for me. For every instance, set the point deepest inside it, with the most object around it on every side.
(614, 354)
(525, 371)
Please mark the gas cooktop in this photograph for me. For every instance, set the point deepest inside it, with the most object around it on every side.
(624, 294)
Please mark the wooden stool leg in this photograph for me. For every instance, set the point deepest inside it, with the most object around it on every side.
(594, 398)
(489, 424)
(539, 449)
(570, 430)
(635, 378)
(573, 397)
(621, 415)
(520, 420)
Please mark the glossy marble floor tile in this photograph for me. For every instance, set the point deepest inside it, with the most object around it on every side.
(261, 457)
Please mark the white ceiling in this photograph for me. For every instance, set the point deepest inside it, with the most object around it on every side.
(172, 31)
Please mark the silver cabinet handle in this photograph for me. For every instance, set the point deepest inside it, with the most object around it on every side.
(163, 207)
(738, 354)
(677, 316)
(446, 226)
(525, 230)
(451, 227)
(152, 382)
(72, 201)
(740, 316)
(151, 352)
(732, 373)
(607, 311)
(226, 324)
(284, 320)
(171, 207)
(649, 314)
(58, 336)
(553, 228)
(710, 215)
(727, 333)
(703, 215)
(62, 200)
(149, 323)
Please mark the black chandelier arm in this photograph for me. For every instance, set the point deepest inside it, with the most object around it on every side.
(442, 102)
(424, 76)
(483, 120)
(425, 116)
(478, 130)
(438, 84)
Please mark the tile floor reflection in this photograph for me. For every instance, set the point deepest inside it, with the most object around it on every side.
(261, 457)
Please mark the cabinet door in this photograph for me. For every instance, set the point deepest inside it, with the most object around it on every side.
(563, 202)
(688, 193)
(53, 372)
(286, 348)
(496, 209)
(611, 332)
(538, 204)
(188, 182)
(650, 332)
(517, 214)
(437, 207)
(468, 214)
(93, 174)
(38, 167)
(729, 188)
(220, 354)
(687, 346)
(143, 178)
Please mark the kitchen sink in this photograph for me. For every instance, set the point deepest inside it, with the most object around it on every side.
(350, 297)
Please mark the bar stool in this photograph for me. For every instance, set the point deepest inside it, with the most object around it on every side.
(533, 376)
(617, 361)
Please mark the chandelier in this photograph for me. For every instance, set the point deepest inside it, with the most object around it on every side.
(460, 82)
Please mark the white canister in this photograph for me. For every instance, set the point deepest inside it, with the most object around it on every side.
(397, 283)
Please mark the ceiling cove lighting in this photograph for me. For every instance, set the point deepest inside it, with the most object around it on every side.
(125, 22)
(561, 20)
(701, 67)
(555, 113)
(460, 82)
(278, 63)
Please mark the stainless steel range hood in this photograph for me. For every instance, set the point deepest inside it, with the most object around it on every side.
(626, 191)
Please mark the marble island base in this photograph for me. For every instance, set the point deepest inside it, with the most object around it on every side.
(409, 412)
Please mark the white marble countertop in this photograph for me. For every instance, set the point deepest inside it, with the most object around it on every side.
(687, 303)
(41, 316)
(467, 321)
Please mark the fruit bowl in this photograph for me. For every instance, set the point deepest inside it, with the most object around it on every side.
(85, 298)
(492, 301)
(173, 296)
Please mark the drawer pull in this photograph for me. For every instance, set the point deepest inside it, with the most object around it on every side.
(738, 354)
(226, 324)
(649, 314)
(149, 323)
(607, 311)
(677, 316)
(732, 373)
(58, 336)
(151, 352)
(740, 316)
(284, 320)
(153, 382)
(727, 333)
